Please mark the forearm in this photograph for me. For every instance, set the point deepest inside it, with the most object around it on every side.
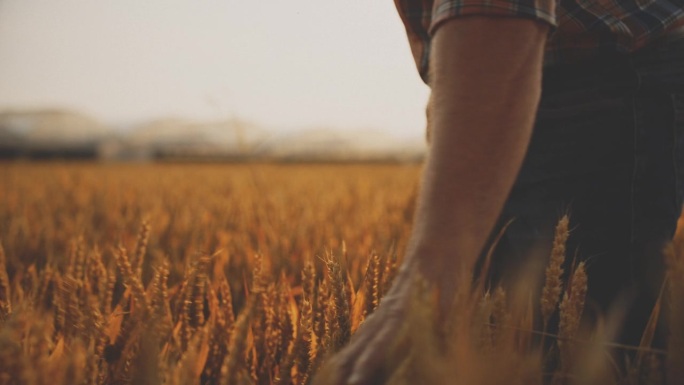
(486, 83)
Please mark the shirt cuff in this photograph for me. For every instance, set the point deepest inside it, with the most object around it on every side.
(541, 10)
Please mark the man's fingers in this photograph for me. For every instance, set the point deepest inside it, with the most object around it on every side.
(363, 361)
(369, 367)
(340, 366)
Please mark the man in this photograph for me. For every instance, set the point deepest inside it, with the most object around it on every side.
(602, 83)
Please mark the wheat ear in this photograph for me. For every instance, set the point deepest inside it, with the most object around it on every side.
(141, 247)
(571, 309)
(338, 313)
(553, 285)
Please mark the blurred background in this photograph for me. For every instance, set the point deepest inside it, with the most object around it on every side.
(222, 79)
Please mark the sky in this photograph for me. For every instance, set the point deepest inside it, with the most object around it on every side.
(281, 64)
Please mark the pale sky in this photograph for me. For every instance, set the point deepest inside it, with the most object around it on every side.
(282, 64)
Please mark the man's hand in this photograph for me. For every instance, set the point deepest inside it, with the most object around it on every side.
(358, 363)
(486, 83)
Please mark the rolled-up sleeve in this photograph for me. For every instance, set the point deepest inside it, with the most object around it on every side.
(423, 17)
(541, 10)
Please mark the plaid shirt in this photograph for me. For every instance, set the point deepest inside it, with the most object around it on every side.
(580, 27)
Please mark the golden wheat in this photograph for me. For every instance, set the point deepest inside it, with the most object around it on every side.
(224, 283)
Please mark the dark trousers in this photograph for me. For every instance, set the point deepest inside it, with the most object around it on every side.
(608, 149)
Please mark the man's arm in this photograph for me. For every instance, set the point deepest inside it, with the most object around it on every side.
(486, 81)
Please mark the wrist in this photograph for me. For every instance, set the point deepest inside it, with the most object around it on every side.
(440, 262)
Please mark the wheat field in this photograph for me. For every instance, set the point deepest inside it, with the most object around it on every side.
(258, 273)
